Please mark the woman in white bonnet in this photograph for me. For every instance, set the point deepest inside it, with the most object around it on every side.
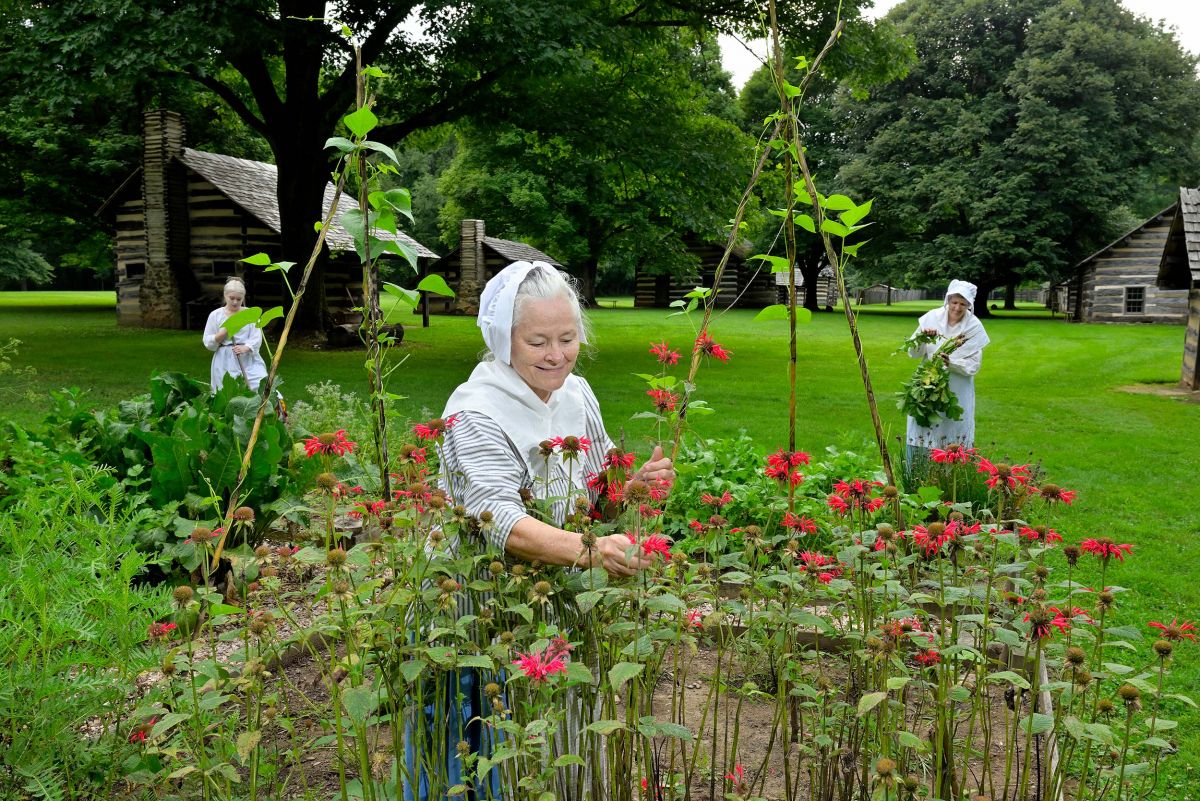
(236, 356)
(523, 393)
(954, 317)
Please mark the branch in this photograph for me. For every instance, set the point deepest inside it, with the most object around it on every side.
(341, 91)
(449, 108)
(229, 96)
(254, 70)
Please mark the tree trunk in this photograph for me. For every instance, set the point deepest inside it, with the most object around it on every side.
(981, 300)
(302, 182)
(810, 271)
(1010, 297)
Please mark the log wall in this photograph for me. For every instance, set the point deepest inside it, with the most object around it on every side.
(1190, 378)
(1133, 263)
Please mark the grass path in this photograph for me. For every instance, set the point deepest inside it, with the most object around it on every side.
(1048, 391)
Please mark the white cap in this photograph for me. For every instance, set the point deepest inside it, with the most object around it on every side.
(496, 306)
(965, 289)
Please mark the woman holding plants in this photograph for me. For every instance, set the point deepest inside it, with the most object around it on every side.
(235, 355)
(953, 335)
(524, 426)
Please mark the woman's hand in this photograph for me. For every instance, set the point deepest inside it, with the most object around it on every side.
(620, 557)
(657, 469)
(240, 349)
(221, 335)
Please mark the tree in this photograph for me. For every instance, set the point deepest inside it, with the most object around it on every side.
(624, 175)
(290, 77)
(866, 56)
(1005, 153)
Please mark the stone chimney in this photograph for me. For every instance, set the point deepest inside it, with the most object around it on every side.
(168, 275)
(472, 272)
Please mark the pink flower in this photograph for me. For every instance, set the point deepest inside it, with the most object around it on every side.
(695, 618)
(571, 447)
(928, 658)
(662, 351)
(664, 401)
(706, 345)
(716, 500)
(1040, 534)
(799, 523)
(1004, 476)
(138, 735)
(952, 454)
(1105, 548)
(334, 444)
(1175, 630)
(616, 458)
(160, 631)
(838, 504)
(435, 429)
(655, 544)
(540, 667)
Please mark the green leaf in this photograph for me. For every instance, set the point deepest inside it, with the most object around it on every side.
(405, 296)
(481, 661)
(778, 263)
(247, 741)
(1012, 678)
(839, 203)
(361, 121)
(666, 729)
(282, 266)
(410, 670)
(436, 284)
(359, 703)
(623, 672)
(340, 142)
(605, 727)
(790, 90)
(834, 227)
(805, 222)
(269, 315)
(569, 759)
(909, 740)
(166, 723)
(869, 702)
(852, 216)
(896, 682)
(258, 259)
(1037, 723)
(580, 673)
(779, 311)
(373, 72)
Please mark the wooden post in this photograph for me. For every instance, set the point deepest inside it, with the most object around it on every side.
(1190, 377)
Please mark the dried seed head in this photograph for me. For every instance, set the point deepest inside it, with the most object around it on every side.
(582, 504)
(1041, 571)
(340, 589)
(911, 783)
(1128, 693)
(936, 529)
(336, 558)
(498, 706)
(1105, 600)
(262, 551)
(486, 518)
(183, 595)
(448, 585)
(507, 638)
(637, 492)
(752, 533)
(885, 531)
(201, 535)
(542, 587)
(258, 626)
(496, 568)
(518, 570)
(957, 517)
(1038, 595)
(1076, 656)
(890, 492)
(491, 689)
(885, 767)
(1083, 677)
(243, 514)
(437, 501)
(1105, 706)
(588, 539)
(463, 748)
(1071, 552)
(327, 482)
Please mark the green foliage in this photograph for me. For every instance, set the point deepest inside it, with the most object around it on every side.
(73, 625)
(180, 443)
(1004, 154)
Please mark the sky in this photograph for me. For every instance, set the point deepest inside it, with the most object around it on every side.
(1183, 15)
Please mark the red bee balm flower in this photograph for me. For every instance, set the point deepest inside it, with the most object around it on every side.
(436, 428)
(1105, 548)
(662, 351)
(952, 454)
(706, 345)
(572, 446)
(716, 500)
(1175, 630)
(540, 667)
(652, 545)
(334, 444)
(1005, 477)
(1052, 493)
(804, 525)
(663, 401)
(928, 658)
(138, 735)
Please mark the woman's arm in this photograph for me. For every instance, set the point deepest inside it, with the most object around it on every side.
(214, 334)
(965, 365)
(531, 539)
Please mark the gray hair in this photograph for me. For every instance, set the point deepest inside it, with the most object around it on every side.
(541, 284)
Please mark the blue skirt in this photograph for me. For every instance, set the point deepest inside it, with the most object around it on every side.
(444, 723)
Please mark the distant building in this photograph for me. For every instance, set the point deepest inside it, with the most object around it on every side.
(469, 266)
(743, 285)
(1179, 271)
(1119, 282)
(185, 218)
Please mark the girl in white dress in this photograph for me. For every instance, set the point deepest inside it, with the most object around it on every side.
(954, 317)
(238, 355)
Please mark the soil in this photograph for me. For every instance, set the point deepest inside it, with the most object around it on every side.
(1162, 391)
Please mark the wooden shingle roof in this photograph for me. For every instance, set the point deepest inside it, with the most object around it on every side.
(253, 185)
(1180, 266)
(517, 251)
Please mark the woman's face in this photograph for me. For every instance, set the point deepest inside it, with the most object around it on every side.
(957, 306)
(545, 344)
(234, 300)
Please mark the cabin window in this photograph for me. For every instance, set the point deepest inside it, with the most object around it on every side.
(1135, 300)
(134, 269)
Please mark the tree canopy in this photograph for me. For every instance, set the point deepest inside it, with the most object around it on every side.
(1008, 151)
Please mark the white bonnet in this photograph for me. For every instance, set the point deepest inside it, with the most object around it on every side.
(235, 284)
(965, 289)
(497, 307)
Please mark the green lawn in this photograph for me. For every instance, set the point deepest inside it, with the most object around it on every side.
(1048, 391)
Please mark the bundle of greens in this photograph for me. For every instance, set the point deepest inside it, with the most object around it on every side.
(926, 396)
